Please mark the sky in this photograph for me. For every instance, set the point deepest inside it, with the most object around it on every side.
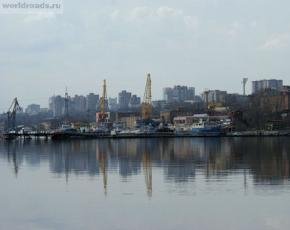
(209, 44)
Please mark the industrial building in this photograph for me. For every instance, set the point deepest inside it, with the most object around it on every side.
(217, 97)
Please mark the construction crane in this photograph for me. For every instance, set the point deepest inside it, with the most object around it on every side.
(103, 115)
(11, 114)
(147, 100)
(244, 82)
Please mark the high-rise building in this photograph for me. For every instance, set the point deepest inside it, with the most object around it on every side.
(168, 94)
(113, 104)
(124, 99)
(191, 93)
(79, 103)
(93, 101)
(261, 85)
(33, 109)
(178, 94)
(56, 105)
(135, 101)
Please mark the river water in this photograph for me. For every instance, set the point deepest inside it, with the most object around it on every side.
(190, 183)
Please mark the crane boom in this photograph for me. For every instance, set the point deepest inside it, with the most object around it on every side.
(103, 115)
(104, 98)
(147, 100)
(11, 114)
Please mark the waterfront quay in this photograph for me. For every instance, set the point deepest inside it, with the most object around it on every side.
(79, 135)
(263, 113)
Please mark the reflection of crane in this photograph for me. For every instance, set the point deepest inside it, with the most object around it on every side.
(244, 82)
(14, 158)
(11, 114)
(147, 166)
(147, 100)
(102, 158)
(103, 115)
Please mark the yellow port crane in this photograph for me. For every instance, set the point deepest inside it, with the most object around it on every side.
(147, 100)
(103, 115)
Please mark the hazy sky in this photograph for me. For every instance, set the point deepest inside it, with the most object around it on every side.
(202, 43)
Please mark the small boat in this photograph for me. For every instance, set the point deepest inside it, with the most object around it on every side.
(206, 128)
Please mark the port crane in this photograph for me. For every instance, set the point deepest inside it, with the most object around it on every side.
(11, 115)
(147, 100)
(103, 116)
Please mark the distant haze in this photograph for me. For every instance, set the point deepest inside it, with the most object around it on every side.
(202, 43)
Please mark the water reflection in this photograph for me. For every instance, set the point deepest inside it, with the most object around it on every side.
(266, 160)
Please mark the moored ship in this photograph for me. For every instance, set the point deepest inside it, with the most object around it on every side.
(207, 128)
(200, 125)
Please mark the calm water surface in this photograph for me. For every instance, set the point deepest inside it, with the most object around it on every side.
(237, 183)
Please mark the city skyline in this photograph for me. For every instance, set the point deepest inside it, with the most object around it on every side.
(45, 101)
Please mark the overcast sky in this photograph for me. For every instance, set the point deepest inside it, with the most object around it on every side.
(201, 43)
